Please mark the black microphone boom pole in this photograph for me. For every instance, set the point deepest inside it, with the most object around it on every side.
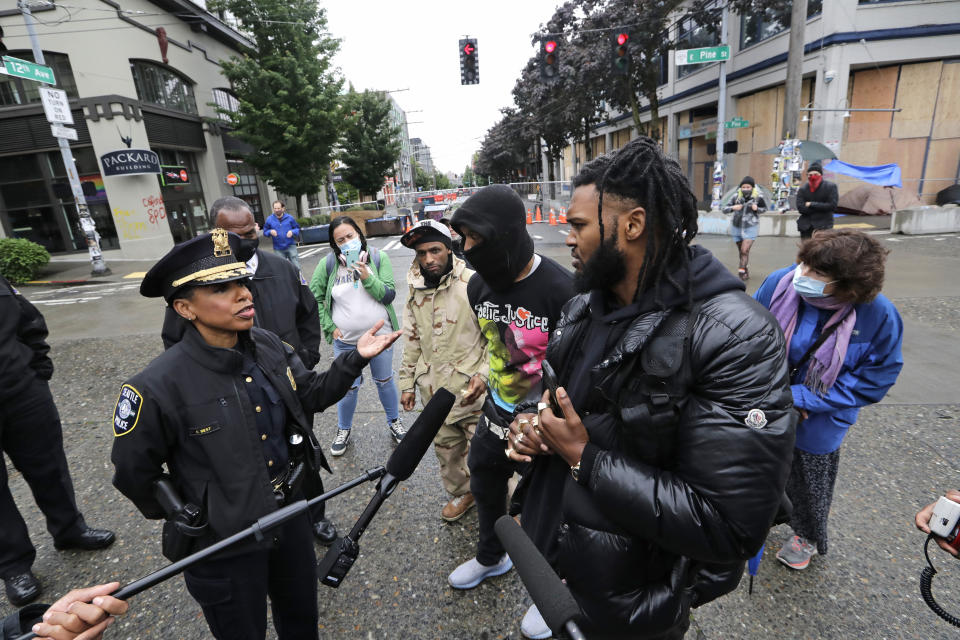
(256, 530)
(334, 567)
(552, 597)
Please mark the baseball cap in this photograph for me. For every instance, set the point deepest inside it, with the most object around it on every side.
(427, 231)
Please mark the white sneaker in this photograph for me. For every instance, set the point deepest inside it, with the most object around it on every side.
(534, 626)
(471, 573)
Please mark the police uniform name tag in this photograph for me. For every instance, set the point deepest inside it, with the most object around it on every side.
(127, 412)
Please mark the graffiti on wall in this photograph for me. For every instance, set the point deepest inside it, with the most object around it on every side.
(127, 227)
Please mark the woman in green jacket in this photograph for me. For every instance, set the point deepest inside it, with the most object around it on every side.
(354, 288)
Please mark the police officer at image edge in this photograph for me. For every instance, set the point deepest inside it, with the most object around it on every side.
(230, 415)
(32, 437)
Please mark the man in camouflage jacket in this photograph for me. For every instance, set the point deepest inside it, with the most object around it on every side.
(443, 347)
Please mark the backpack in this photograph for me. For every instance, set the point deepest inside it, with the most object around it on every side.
(656, 399)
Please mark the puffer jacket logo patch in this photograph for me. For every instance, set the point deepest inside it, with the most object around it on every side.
(755, 419)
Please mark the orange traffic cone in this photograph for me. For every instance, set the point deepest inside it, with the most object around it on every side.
(563, 215)
(529, 216)
(539, 217)
(409, 225)
(553, 217)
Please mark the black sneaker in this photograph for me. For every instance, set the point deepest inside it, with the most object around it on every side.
(339, 445)
(397, 430)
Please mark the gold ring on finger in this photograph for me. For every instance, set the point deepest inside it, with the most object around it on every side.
(519, 438)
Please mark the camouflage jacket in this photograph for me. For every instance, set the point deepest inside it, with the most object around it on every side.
(442, 343)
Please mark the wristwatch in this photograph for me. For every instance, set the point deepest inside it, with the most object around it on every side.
(575, 472)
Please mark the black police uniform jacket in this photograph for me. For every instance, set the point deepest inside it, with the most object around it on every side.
(633, 535)
(284, 305)
(189, 410)
(23, 343)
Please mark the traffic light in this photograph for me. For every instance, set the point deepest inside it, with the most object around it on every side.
(621, 54)
(469, 64)
(549, 60)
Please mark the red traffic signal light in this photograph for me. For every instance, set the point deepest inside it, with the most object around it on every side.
(620, 55)
(469, 62)
(549, 60)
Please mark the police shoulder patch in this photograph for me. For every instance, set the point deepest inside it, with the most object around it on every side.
(127, 412)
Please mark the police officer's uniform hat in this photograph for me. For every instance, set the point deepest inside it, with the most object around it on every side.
(427, 231)
(208, 259)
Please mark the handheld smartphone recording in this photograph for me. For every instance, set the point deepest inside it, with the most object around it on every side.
(352, 257)
(945, 521)
(551, 383)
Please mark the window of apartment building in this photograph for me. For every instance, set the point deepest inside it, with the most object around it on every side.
(156, 84)
(14, 91)
(225, 100)
(757, 27)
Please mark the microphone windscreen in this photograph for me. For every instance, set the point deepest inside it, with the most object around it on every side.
(417, 440)
(552, 597)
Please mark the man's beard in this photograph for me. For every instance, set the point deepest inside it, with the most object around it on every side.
(433, 281)
(605, 268)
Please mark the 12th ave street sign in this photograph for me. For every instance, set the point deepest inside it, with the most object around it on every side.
(702, 56)
(28, 70)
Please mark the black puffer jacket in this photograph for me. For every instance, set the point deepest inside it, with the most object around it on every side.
(640, 539)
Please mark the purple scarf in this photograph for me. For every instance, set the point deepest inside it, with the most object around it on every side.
(826, 362)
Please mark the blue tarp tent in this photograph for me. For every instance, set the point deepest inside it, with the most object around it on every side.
(885, 175)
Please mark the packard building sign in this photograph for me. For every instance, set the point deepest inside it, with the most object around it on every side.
(130, 162)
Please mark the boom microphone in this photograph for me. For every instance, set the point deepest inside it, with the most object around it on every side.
(340, 557)
(415, 443)
(552, 597)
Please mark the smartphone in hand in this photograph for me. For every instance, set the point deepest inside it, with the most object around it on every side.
(550, 383)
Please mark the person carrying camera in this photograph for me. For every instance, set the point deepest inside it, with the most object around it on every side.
(746, 207)
(229, 411)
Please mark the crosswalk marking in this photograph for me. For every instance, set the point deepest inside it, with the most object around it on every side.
(393, 244)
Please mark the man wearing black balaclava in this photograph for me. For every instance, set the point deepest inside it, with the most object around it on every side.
(517, 296)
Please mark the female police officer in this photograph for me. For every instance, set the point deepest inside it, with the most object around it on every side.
(229, 410)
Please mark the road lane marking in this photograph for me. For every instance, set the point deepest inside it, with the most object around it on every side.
(135, 274)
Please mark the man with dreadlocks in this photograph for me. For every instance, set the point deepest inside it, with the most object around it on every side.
(669, 465)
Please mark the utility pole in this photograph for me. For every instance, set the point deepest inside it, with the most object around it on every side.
(718, 168)
(89, 227)
(791, 102)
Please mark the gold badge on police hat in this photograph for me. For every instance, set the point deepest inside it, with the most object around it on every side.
(221, 243)
(293, 383)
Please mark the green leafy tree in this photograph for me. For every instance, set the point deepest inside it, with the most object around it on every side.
(289, 93)
(468, 179)
(371, 142)
(420, 178)
(442, 181)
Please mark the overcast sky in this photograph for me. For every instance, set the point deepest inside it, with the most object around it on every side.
(414, 44)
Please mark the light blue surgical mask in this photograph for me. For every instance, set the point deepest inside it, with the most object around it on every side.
(808, 287)
(351, 245)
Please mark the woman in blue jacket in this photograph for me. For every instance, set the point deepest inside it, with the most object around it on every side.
(843, 350)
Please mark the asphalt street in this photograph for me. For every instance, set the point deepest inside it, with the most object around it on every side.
(898, 457)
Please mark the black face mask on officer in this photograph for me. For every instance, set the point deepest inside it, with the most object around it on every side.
(248, 247)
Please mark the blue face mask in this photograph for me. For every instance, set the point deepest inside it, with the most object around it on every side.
(351, 245)
(808, 287)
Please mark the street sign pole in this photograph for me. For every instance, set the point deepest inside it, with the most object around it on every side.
(718, 167)
(99, 265)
